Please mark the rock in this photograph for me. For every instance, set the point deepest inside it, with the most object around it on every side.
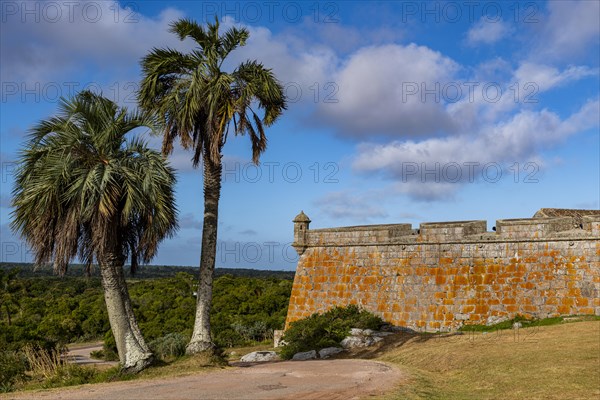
(260, 356)
(356, 332)
(493, 320)
(517, 325)
(329, 351)
(401, 329)
(351, 342)
(382, 334)
(277, 338)
(375, 339)
(305, 355)
(368, 332)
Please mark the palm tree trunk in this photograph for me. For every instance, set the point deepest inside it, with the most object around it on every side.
(134, 354)
(201, 339)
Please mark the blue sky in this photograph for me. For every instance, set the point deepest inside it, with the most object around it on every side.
(398, 111)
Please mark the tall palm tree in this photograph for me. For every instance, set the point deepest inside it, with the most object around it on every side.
(84, 189)
(197, 100)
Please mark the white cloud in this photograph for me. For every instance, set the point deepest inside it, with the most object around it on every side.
(77, 36)
(434, 168)
(547, 77)
(374, 92)
(295, 62)
(351, 205)
(486, 31)
(571, 29)
(492, 100)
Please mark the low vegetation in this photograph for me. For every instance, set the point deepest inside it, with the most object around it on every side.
(52, 312)
(325, 330)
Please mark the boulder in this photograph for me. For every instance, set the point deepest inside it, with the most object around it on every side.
(382, 334)
(329, 351)
(351, 342)
(277, 338)
(305, 355)
(260, 356)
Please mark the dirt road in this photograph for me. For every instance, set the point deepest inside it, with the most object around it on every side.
(81, 355)
(305, 380)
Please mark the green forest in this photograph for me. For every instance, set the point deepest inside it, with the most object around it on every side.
(50, 311)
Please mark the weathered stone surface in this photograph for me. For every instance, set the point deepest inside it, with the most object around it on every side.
(493, 320)
(453, 275)
(382, 334)
(350, 342)
(329, 351)
(260, 356)
(305, 355)
(277, 338)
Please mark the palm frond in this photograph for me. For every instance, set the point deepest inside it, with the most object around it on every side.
(82, 188)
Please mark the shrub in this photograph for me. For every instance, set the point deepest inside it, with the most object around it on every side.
(109, 349)
(169, 346)
(44, 362)
(328, 329)
(12, 369)
(69, 375)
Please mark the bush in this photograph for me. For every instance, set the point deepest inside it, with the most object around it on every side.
(69, 375)
(328, 329)
(109, 349)
(169, 346)
(12, 369)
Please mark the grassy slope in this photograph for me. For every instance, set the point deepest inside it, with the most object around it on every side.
(548, 362)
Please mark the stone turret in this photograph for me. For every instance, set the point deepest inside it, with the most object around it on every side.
(301, 223)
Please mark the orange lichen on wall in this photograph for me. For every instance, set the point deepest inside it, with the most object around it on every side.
(441, 284)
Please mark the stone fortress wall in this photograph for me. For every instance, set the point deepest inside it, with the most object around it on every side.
(444, 275)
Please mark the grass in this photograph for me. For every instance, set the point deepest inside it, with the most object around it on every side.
(556, 361)
(526, 323)
(72, 374)
(69, 374)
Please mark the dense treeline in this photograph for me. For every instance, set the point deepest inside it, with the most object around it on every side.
(27, 270)
(50, 310)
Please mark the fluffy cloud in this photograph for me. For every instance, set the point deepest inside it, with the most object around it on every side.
(57, 38)
(487, 31)
(491, 101)
(434, 168)
(377, 92)
(570, 29)
(547, 77)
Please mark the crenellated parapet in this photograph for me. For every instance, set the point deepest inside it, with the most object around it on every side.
(522, 229)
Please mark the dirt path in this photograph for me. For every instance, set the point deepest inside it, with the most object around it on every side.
(81, 355)
(305, 380)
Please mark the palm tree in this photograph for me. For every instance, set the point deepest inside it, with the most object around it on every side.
(197, 100)
(84, 189)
